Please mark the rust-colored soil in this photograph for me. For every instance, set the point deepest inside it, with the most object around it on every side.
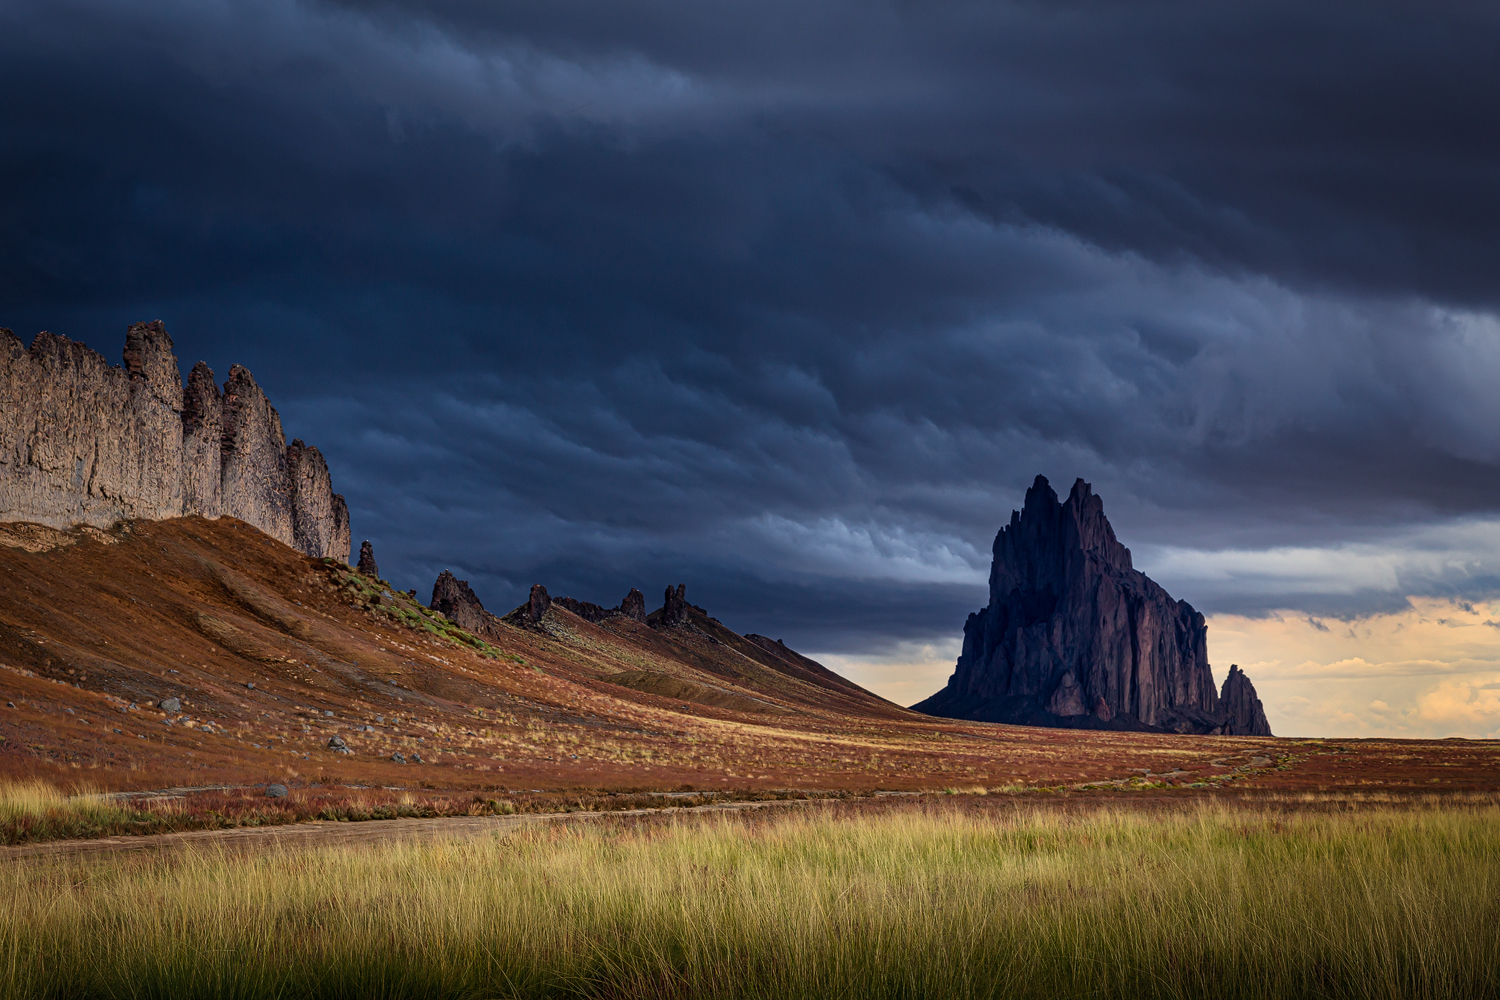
(97, 629)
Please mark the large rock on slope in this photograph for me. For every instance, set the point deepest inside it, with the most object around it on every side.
(634, 605)
(367, 564)
(1075, 636)
(320, 520)
(674, 608)
(82, 442)
(538, 603)
(455, 599)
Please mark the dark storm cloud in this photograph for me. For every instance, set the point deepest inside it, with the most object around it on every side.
(791, 301)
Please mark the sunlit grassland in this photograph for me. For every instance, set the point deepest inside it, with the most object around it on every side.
(937, 900)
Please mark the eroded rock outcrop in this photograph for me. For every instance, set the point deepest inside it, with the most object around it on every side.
(587, 610)
(1074, 635)
(457, 600)
(320, 520)
(674, 608)
(367, 562)
(538, 603)
(82, 442)
(256, 485)
(1246, 715)
(634, 605)
(202, 443)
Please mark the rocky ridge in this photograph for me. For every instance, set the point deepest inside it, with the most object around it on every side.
(1075, 636)
(83, 442)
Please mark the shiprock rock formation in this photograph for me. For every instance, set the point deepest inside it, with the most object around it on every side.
(83, 442)
(1075, 636)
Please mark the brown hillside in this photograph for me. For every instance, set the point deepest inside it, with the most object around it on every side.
(271, 654)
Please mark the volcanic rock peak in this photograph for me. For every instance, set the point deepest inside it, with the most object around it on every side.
(1073, 635)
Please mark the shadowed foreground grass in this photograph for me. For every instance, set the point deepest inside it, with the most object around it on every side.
(921, 901)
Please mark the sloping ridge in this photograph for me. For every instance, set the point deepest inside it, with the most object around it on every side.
(273, 653)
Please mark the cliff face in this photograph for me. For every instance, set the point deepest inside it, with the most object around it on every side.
(82, 442)
(1075, 636)
(202, 443)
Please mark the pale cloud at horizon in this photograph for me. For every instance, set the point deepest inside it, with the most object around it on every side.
(1431, 671)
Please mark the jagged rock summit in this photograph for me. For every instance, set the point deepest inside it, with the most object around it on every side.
(367, 564)
(83, 442)
(456, 599)
(1075, 636)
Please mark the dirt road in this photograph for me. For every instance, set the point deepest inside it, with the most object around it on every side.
(321, 834)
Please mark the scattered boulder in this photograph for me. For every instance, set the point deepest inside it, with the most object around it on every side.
(367, 560)
(276, 791)
(337, 745)
(171, 706)
(398, 757)
(416, 758)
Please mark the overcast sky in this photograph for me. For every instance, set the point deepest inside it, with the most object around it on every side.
(789, 301)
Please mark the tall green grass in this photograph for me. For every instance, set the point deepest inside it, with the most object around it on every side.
(931, 901)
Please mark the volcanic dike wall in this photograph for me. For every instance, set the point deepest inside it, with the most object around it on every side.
(84, 442)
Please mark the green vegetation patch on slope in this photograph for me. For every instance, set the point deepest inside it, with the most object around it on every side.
(403, 607)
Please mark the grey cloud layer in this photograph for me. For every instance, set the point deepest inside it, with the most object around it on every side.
(791, 301)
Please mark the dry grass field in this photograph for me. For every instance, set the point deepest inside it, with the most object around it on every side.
(961, 897)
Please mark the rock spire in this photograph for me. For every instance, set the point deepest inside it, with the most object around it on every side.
(634, 605)
(82, 442)
(367, 562)
(674, 608)
(1075, 636)
(1246, 716)
(538, 603)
